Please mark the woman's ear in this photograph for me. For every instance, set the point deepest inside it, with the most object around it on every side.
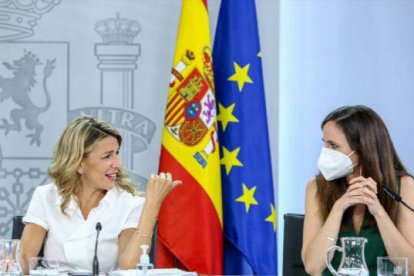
(80, 168)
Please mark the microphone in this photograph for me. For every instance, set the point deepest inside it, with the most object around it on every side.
(391, 193)
(95, 265)
(395, 196)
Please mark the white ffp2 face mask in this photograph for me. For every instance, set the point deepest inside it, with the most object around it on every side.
(334, 164)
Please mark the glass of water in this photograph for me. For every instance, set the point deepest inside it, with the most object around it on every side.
(41, 266)
(392, 266)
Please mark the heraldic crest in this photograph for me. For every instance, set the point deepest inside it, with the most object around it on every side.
(191, 107)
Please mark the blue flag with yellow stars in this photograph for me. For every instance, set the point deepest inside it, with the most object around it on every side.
(249, 213)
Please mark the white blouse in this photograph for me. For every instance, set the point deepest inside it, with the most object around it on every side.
(71, 239)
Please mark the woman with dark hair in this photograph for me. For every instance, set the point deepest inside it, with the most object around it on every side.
(346, 199)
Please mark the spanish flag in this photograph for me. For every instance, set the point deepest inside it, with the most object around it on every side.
(190, 230)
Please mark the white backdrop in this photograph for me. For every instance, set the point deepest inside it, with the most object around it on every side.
(125, 83)
(317, 55)
(335, 53)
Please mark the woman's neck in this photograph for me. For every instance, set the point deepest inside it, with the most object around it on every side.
(89, 199)
(355, 173)
(358, 217)
(359, 210)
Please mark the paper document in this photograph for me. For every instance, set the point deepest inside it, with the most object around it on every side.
(160, 272)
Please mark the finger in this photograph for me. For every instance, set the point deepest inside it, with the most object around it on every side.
(169, 176)
(373, 185)
(355, 194)
(364, 196)
(360, 182)
(153, 178)
(357, 179)
(176, 182)
(360, 192)
(368, 192)
(363, 185)
(367, 200)
(353, 200)
(162, 175)
(355, 186)
(352, 188)
(358, 200)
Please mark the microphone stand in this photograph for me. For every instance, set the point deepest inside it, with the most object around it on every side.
(95, 265)
(395, 196)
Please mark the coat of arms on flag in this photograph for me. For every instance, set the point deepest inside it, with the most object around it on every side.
(191, 107)
(190, 152)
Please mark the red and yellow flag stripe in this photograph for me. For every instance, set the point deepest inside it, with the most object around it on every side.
(190, 221)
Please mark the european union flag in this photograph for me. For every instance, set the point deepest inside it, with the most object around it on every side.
(248, 198)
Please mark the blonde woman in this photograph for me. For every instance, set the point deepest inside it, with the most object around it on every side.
(89, 186)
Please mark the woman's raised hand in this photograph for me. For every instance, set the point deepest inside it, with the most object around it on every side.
(159, 185)
(366, 192)
(361, 190)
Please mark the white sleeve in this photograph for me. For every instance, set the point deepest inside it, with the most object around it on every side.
(134, 214)
(36, 213)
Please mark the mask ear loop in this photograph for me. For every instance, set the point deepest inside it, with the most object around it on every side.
(354, 165)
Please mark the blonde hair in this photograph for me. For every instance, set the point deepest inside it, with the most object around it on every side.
(76, 142)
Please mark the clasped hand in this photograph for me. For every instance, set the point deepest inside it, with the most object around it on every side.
(361, 190)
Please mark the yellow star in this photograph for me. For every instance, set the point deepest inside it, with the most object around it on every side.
(226, 116)
(259, 54)
(247, 197)
(230, 159)
(272, 217)
(240, 75)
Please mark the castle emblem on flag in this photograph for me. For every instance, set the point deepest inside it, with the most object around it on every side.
(191, 105)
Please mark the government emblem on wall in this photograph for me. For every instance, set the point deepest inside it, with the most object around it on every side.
(57, 62)
(33, 96)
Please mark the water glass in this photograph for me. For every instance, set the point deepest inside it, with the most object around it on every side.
(392, 266)
(9, 265)
(41, 266)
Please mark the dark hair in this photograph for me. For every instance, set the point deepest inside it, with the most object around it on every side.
(368, 136)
